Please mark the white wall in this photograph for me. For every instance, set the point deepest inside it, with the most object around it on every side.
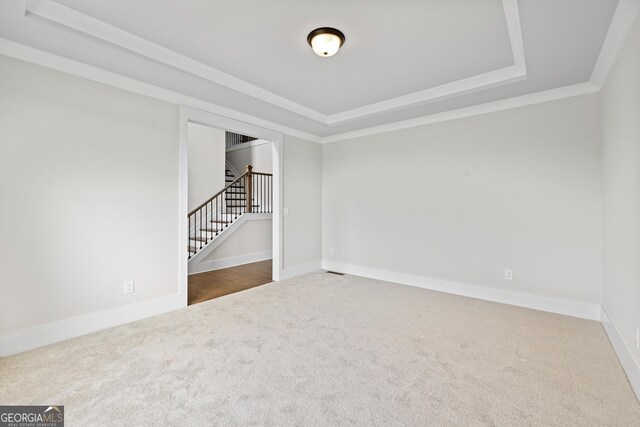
(302, 175)
(206, 163)
(89, 199)
(89, 196)
(463, 200)
(252, 237)
(621, 165)
(247, 240)
(258, 156)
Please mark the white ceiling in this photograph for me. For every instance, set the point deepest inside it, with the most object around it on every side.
(390, 50)
(401, 60)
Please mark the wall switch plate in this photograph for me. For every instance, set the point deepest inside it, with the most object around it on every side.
(285, 211)
(331, 251)
(129, 287)
(508, 274)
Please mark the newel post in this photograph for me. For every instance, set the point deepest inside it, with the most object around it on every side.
(249, 189)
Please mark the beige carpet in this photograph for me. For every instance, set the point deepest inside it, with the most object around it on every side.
(333, 350)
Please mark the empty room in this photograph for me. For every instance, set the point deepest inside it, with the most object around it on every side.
(383, 213)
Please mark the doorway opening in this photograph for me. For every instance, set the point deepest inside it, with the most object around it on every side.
(230, 198)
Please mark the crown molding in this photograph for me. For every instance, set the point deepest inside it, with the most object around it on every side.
(475, 110)
(623, 19)
(488, 80)
(512, 16)
(511, 74)
(627, 12)
(89, 72)
(28, 54)
(50, 11)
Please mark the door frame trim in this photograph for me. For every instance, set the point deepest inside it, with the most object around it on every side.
(193, 115)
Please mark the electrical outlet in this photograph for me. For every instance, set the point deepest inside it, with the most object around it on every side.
(331, 251)
(129, 287)
(637, 337)
(508, 274)
(285, 211)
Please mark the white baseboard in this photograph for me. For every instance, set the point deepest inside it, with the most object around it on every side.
(629, 365)
(300, 269)
(217, 264)
(61, 330)
(554, 305)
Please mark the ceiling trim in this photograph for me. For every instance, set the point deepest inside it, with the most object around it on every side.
(35, 56)
(56, 13)
(475, 110)
(511, 74)
(488, 80)
(623, 19)
(512, 15)
(70, 66)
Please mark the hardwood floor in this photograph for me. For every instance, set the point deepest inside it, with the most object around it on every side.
(214, 284)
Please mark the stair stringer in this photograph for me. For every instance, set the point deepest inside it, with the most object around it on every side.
(224, 234)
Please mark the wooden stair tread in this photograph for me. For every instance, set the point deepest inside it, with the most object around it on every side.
(219, 221)
(199, 239)
(210, 230)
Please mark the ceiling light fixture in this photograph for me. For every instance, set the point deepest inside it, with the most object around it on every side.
(325, 41)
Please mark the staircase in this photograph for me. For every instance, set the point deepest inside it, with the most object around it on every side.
(248, 193)
(236, 194)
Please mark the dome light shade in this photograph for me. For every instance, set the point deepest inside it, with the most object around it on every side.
(325, 41)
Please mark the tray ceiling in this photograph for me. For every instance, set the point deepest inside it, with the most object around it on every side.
(401, 60)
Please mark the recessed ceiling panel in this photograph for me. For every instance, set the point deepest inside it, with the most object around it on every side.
(392, 48)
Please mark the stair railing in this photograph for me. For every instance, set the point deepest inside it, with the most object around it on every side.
(232, 139)
(251, 192)
(262, 190)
